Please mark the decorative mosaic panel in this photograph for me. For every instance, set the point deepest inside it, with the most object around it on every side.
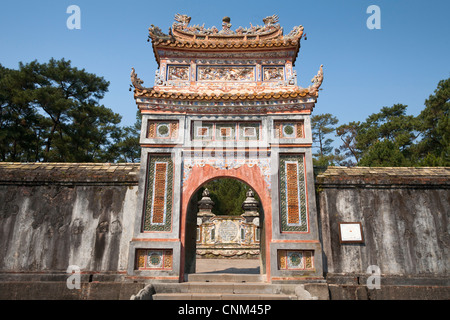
(225, 73)
(288, 130)
(273, 73)
(225, 131)
(178, 73)
(262, 161)
(154, 259)
(295, 260)
(162, 129)
(249, 131)
(293, 210)
(159, 194)
(203, 130)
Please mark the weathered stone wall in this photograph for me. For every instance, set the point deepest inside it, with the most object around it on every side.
(405, 220)
(56, 215)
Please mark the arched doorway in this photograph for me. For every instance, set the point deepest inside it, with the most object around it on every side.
(225, 229)
(250, 176)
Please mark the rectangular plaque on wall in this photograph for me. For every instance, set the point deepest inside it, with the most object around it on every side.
(351, 232)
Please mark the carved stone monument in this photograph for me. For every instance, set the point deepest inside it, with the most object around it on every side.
(227, 236)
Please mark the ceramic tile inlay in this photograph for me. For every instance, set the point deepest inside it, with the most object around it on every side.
(293, 208)
(159, 193)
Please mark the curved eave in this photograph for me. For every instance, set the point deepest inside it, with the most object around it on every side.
(194, 96)
(219, 46)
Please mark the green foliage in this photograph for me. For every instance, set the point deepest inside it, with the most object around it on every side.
(348, 150)
(386, 138)
(126, 146)
(52, 112)
(390, 137)
(19, 122)
(322, 125)
(434, 124)
(227, 194)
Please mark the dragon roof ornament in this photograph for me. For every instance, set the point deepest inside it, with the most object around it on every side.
(316, 81)
(135, 81)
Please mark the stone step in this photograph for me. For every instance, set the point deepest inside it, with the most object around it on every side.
(197, 290)
(224, 287)
(224, 277)
(222, 296)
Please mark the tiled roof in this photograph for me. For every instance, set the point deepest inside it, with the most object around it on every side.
(295, 92)
(228, 44)
(184, 37)
(68, 173)
(385, 175)
(181, 35)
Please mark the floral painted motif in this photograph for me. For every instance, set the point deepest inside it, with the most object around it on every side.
(177, 73)
(227, 162)
(273, 73)
(225, 73)
(162, 129)
(288, 130)
(154, 259)
(295, 260)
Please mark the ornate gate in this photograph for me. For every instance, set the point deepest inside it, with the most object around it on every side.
(225, 104)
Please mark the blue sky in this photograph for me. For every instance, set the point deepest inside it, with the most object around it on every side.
(364, 69)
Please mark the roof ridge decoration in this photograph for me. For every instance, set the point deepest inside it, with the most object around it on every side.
(200, 65)
(181, 30)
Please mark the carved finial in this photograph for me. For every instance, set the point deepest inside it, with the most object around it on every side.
(155, 32)
(182, 19)
(226, 26)
(270, 20)
(250, 204)
(205, 204)
(316, 81)
(136, 82)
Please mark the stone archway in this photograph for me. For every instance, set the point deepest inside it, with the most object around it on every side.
(241, 102)
(200, 175)
(224, 243)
